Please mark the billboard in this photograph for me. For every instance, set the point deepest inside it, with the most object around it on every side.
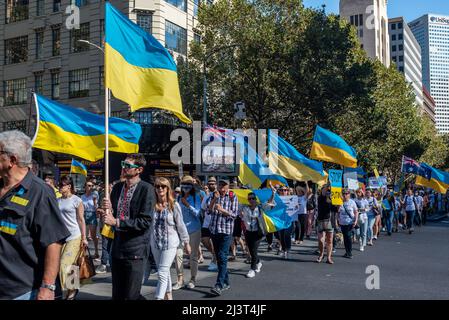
(218, 160)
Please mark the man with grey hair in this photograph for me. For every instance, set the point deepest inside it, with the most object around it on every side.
(31, 227)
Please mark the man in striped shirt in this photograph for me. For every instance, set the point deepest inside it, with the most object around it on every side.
(222, 207)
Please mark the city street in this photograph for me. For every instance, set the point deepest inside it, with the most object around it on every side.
(411, 267)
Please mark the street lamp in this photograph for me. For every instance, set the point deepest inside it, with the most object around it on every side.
(91, 44)
(206, 58)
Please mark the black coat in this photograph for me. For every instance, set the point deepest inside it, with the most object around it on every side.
(132, 236)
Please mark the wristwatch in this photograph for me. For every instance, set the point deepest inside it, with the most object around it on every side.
(51, 287)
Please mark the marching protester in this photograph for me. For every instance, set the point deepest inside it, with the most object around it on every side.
(373, 211)
(190, 203)
(90, 204)
(285, 235)
(222, 207)
(50, 180)
(420, 204)
(129, 211)
(378, 214)
(389, 207)
(348, 217)
(167, 232)
(363, 207)
(410, 205)
(32, 229)
(325, 228)
(311, 206)
(301, 223)
(252, 217)
(72, 211)
(205, 232)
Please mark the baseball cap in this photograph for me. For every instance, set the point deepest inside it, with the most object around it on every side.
(225, 181)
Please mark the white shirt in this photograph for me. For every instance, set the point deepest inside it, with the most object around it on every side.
(302, 202)
(409, 203)
(68, 212)
(88, 202)
(347, 213)
(363, 207)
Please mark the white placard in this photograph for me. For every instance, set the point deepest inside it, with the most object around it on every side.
(353, 184)
(292, 204)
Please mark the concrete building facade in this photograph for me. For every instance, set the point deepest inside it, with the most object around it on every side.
(371, 22)
(42, 54)
(432, 33)
(405, 51)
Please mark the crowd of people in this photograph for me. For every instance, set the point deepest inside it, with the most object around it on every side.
(44, 226)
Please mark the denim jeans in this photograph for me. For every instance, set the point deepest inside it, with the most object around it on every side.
(106, 244)
(32, 295)
(389, 216)
(222, 243)
(410, 218)
(371, 221)
(363, 231)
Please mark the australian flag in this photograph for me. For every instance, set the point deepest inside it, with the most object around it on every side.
(412, 166)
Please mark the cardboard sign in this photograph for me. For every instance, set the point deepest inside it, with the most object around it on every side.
(336, 196)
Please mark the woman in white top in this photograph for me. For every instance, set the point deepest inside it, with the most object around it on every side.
(347, 219)
(363, 207)
(72, 212)
(301, 222)
(167, 230)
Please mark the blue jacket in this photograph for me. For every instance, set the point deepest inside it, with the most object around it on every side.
(191, 214)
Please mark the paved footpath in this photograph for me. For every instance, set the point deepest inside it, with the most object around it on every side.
(410, 267)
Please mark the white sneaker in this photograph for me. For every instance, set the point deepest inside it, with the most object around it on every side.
(101, 269)
(362, 248)
(251, 274)
(375, 238)
(286, 255)
(212, 267)
(258, 266)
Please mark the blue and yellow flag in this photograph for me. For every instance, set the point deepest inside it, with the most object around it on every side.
(78, 167)
(287, 162)
(439, 180)
(252, 169)
(139, 70)
(330, 147)
(275, 219)
(80, 133)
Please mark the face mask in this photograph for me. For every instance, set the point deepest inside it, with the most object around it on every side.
(186, 188)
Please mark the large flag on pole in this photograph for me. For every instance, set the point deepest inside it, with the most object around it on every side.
(330, 147)
(139, 70)
(287, 162)
(64, 129)
(412, 166)
(439, 180)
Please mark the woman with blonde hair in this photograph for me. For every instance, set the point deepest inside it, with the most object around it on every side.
(167, 228)
(363, 207)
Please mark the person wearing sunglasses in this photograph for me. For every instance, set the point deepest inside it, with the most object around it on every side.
(205, 232)
(190, 202)
(128, 211)
(252, 217)
(168, 232)
(348, 217)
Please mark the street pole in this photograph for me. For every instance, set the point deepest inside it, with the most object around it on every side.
(204, 95)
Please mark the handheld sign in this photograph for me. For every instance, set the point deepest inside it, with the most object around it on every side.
(335, 178)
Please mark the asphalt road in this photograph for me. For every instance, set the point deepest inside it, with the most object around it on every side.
(410, 267)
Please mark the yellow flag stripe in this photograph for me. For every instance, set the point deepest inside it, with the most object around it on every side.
(334, 155)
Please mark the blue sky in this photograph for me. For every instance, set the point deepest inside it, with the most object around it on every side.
(410, 9)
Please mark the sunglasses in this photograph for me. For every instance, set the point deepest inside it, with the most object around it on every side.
(89, 185)
(251, 198)
(126, 165)
(161, 186)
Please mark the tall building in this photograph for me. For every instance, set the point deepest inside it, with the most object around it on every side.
(432, 33)
(428, 105)
(42, 54)
(406, 53)
(371, 21)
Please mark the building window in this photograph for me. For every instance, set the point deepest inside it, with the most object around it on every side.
(56, 5)
(40, 7)
(401, 69)
(351, 20)
(175, 38)
(180, 4)
(401, 58)
(102, 33)
(79, 83)
(16, 10)
(401, 47)
(393, 37)
(55, 85)
(196, 38)
(79, 34)
(393, 26)
(16, 91)
(143, 117)
(356, 20)
(400, 36)
(39, 82)
(361, 20)
(393, 48)
(16, 50)
(145, 21)
(56, 40)
(196, 4)
(80, 3)
(400, 25)
(361, 33)
(101, 79)
(15, 125)
(395, 59)
(39, 44)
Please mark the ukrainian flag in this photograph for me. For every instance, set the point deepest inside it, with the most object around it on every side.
(275, 219)
(80, 133)
(252, 170)
(139, 70)
(330, 147)
(439, 180)
(78, 167)
(286, 161)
